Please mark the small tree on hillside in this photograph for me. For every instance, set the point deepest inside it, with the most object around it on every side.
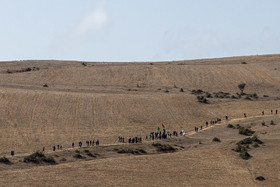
(242, 87)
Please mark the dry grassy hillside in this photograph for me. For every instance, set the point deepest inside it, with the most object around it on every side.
(45, 103)
(105, 100)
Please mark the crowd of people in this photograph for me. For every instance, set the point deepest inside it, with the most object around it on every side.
(80, 144)
(153, 135)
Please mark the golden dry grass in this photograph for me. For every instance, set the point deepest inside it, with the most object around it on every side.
(107, 100)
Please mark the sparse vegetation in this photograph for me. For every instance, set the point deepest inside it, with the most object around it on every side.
(241, 148)
(197, 92)
(89, 153)
(257, 140)
(272, 122)
(243, 62)
(260, 178)
(164, 148)
(77, 151)
(230, 126)
(38, 157)
(79, 156)
(202, 99)
(245, 155)
(5, 160)
(256, 145)
(241, 88)
(246, 131)
(215, 139)
(246, 141)
(221, 95)
(132, 151)
(63, 159)
(24, 70)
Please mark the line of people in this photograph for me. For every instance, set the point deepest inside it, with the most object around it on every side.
(135, 140)
(80, 144)
(121, 139)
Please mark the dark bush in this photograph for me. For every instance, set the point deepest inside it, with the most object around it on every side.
(263, 123)
(246, 141)
(78, 156)
(24, 70)
(77, 151)
(5, 160)
(230, 126)
(245, 155)
(181, 90)
(90, 154)
(265, 96)
(202, 99)
(234, 97)
(238, 126)
(197, 92)
(208, 95)
(243, 62)
(38, 157)
(49, 160)
(256, 145)
(222, 95)
(255, 96)
(260, 178)
(241, 148)
(216, 139)
(257, 140)
(132, 151)
(246, 131)
(63, 159)
(272, 122)
(164, 148)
